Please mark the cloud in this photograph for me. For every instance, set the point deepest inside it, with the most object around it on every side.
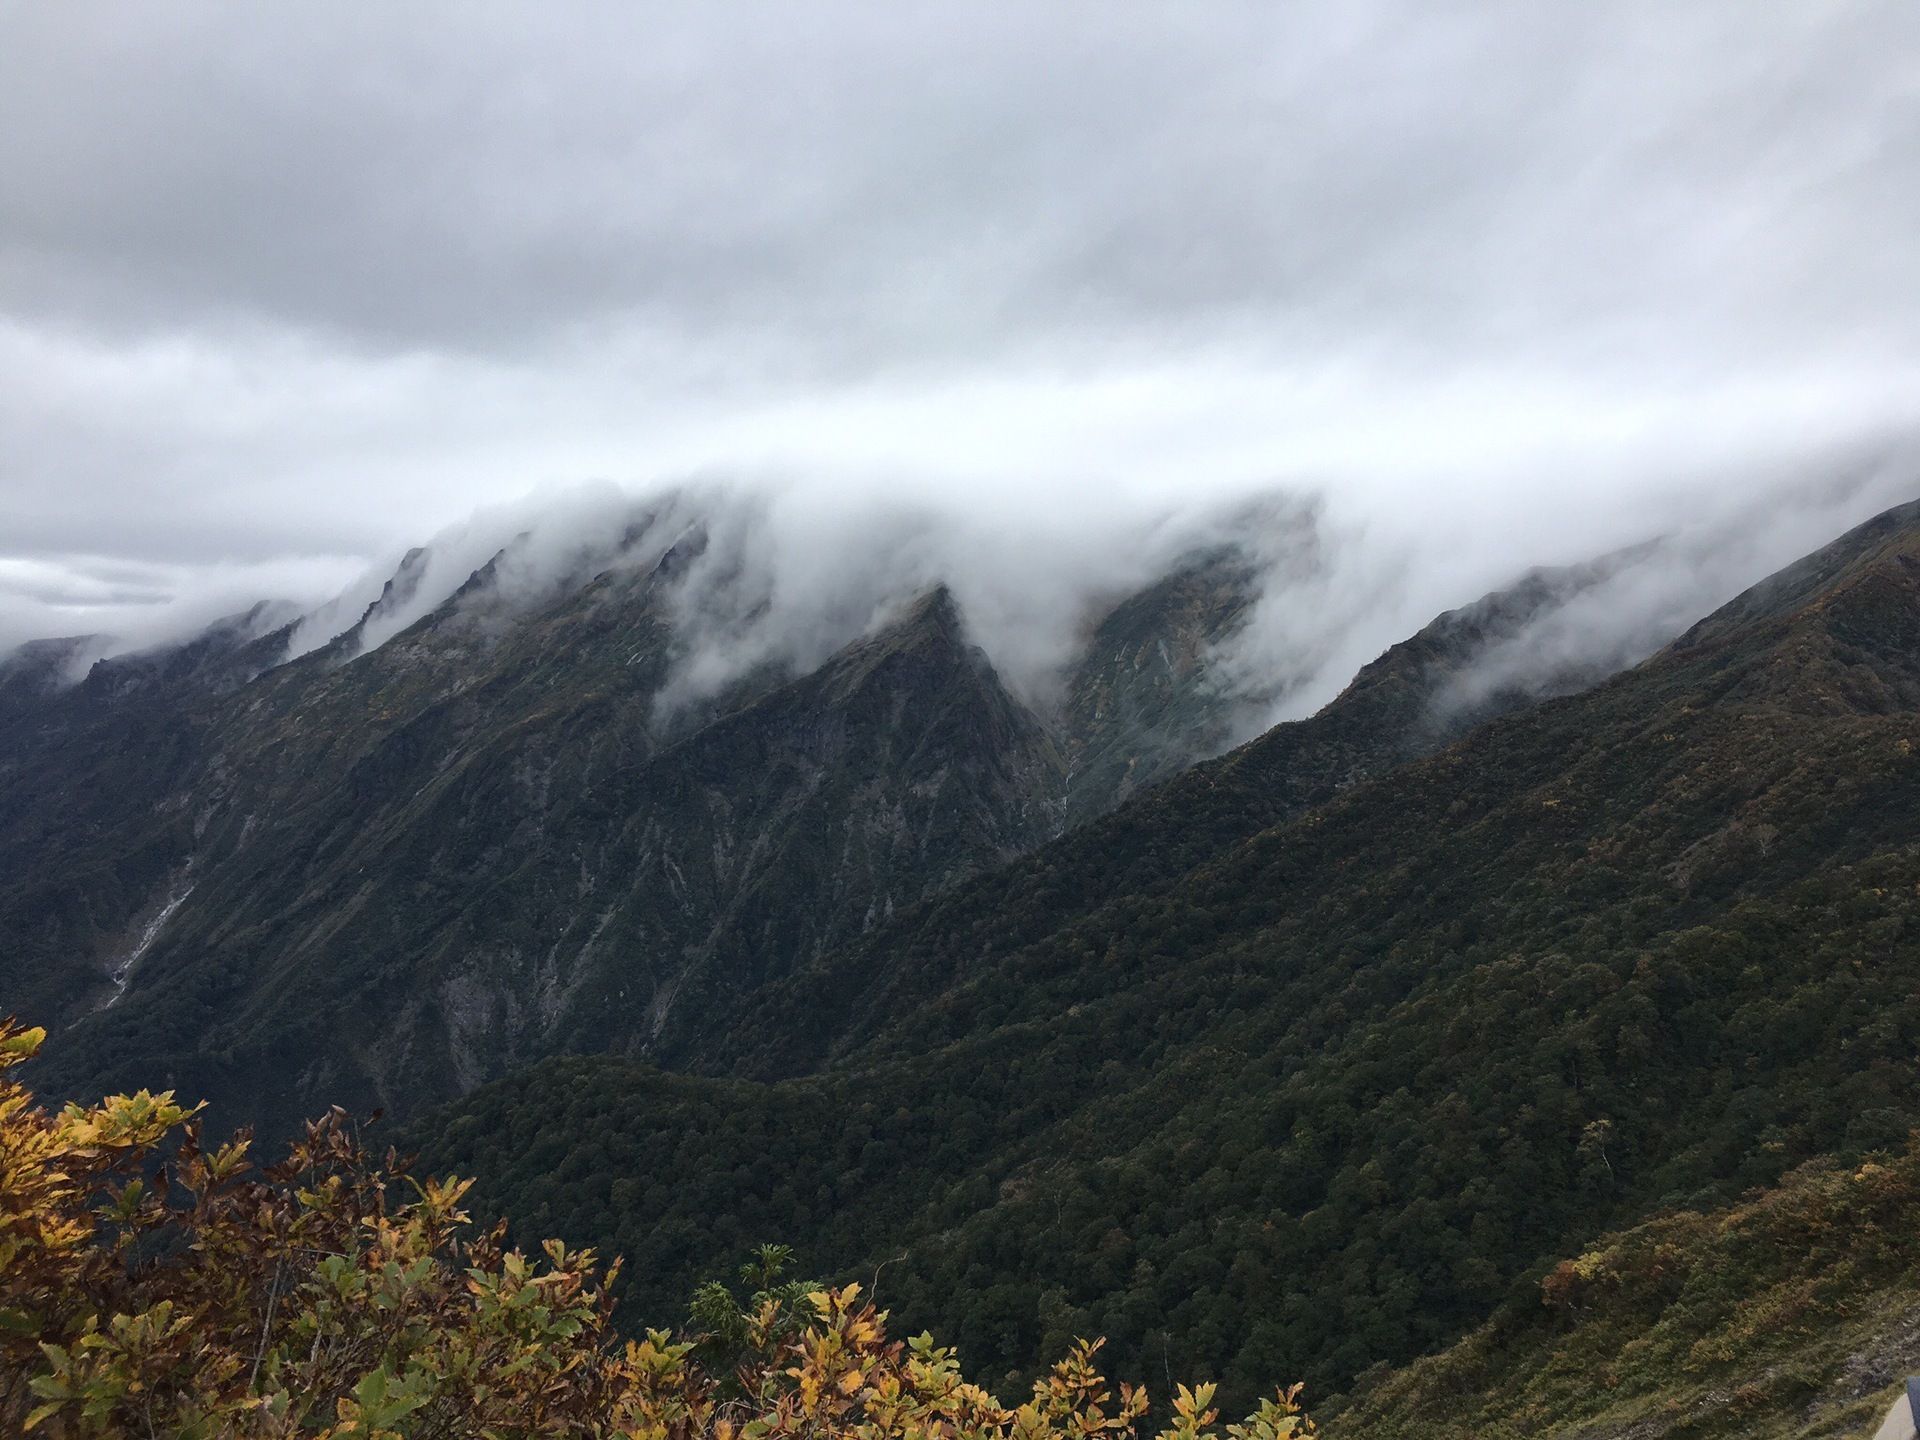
(994, 290)
(1633, 602)
(862, 182)
(130, 605)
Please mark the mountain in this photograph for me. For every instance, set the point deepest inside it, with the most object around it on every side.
(94, 809)
(1140, 704)
(380, 873)
(406, 861)
(1305, 1063)
(391, 875)
(1413, 700)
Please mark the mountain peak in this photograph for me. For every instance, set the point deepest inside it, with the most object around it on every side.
(930, 624)
(936, 610)
(1139, 705)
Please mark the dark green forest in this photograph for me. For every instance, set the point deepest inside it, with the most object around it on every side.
(1306, 1062)
(1323, 1098)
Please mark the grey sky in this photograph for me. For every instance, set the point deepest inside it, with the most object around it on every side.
(285, 288)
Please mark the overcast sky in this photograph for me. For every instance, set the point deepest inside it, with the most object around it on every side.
(286, 288)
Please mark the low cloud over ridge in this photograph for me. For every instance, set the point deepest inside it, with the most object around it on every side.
(1484, 286)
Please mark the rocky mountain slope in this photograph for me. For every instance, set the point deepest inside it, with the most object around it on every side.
(386, 877)
(1313, 1095)
(1140, 705)
(380, 877)
(379, 874)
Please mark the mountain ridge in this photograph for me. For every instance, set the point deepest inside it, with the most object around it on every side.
(392, 866)
(294, 791)
(1391, 712)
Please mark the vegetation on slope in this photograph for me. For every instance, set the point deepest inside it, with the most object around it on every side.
(1410, 702)
(1327, 1102)
(1794, 1312)
(468, 851)
(1310, 1071)
(88, 841)
(144, 1292)
(488, 840)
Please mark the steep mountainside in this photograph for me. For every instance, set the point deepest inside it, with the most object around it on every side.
(382, 874)
(1355, 1078)
(392, 877)
(379, 876)
(96, 815)
(1140, 706)
(1409, 702)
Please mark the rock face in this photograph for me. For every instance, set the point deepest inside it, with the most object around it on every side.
(386, 878)
(380, 878)
(1142, 705)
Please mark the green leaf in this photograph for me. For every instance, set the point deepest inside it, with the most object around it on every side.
(19, 1322)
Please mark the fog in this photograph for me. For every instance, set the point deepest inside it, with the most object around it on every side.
(778, 575)
(1022, 299)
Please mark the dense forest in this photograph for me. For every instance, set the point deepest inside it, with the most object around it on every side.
(1323, 1102)
(1789, 1313)
(960, 721)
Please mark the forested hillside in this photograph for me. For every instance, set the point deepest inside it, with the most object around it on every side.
(154, 1285)
(1322, 1104)
(960, 721)
(1409, 702)
(1300, 1064)
(1794, 1312)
